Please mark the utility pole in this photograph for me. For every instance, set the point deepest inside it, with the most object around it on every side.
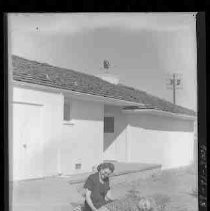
(174, 89)
(175, 82)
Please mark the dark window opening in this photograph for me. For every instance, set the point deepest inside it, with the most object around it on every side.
(108, 124)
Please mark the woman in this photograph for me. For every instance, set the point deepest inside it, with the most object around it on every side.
(97, 189)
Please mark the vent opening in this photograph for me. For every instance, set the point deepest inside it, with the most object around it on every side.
(78, 166)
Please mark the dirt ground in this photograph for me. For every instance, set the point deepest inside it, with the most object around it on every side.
(175, 188)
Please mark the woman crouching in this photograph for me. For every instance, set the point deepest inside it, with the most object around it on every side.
(97, 189)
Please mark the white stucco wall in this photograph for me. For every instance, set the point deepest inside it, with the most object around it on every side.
(39, 128)
(82, 141)
(161, 140)
(52, 147)
(115, 144)
(44, 145)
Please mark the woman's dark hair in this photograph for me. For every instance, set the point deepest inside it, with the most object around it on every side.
(109, 166)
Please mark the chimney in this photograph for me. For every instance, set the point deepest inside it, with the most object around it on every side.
(106, 76)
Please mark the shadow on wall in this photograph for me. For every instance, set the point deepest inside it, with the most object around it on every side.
(153, 122)
(87, 111)
(109, 138)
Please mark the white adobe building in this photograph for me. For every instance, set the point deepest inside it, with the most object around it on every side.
(64, 122)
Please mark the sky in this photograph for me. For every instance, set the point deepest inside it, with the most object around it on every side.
(144, 49)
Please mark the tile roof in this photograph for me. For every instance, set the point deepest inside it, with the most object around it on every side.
(25, 70)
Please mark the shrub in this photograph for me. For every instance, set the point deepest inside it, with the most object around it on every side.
(133, 202)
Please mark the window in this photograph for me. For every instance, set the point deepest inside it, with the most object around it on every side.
(66, 109)
(108, 124)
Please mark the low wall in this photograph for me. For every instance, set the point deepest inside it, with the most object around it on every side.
(160, 140)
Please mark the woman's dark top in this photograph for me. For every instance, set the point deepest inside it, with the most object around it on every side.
(98, 191)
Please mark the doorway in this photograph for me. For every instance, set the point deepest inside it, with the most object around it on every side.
(27, 141)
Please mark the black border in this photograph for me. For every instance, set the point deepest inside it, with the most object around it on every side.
(5, 114)
(202, 20)
(202, 127)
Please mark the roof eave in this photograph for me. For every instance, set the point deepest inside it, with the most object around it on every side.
(160, 113)
(78, 95)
